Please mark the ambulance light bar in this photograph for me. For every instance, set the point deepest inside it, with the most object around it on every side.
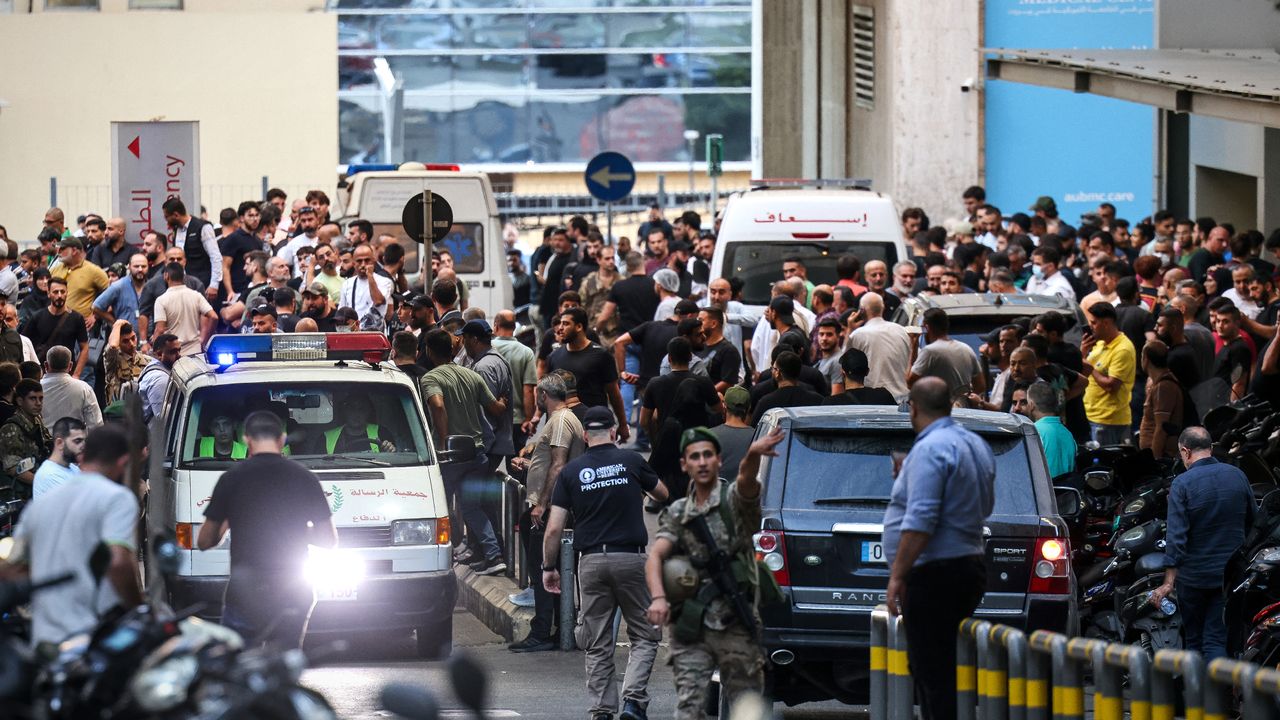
(227, 350)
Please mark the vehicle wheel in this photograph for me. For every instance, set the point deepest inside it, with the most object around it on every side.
(435, 641)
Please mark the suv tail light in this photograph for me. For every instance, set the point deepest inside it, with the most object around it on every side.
(771, 549)
(1051, 568)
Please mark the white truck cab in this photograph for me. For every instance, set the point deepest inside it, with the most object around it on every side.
(392, 568)
(475, 240)
(815, 220)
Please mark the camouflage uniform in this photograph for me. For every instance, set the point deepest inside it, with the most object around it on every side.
(121, 369)
(22, 438)
(724, 643)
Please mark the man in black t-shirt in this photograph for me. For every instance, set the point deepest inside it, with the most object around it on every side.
(632, 299)
(790, 392)
(58, 325)
(239, 243)
(854, 365)
(551, 273)
(1234, 361)
(274, 522)
(674, 402)
(723, 360)
(603, 488)
(810, 377)
(591, 365)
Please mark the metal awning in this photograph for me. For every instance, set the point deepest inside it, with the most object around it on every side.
(1241, 85)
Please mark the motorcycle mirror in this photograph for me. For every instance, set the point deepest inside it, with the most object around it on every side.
(410, 701)
(165, 553)
(1070, 502)
(99, 561)
(470, 682)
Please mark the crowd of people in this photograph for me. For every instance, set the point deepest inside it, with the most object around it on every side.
(614, 342)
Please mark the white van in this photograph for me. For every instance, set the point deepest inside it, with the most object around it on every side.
(392, 568)
(475, 240)
(808, 219)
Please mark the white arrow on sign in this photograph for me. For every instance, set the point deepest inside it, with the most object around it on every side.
(603, 177)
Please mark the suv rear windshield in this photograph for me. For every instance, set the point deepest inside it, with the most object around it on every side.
(316, 416)
(759, 264)
(465, 242)
(865, 459)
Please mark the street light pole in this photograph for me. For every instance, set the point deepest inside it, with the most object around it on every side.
(691, 137)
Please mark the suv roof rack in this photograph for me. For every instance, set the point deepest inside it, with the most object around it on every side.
(850, 183)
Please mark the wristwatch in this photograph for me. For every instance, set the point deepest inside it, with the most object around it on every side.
(553, 568)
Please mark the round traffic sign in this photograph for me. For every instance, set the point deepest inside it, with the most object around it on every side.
(610, 176)
(441, 218)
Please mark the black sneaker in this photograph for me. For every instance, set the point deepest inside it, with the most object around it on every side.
(491, 566)
(531, 644)
(631, 710)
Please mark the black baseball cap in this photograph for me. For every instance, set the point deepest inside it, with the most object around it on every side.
(71, 242)
(686, 307)
(598, 418)
(476, 328)
(263, 310)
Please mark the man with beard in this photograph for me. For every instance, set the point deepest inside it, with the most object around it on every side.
(327, 262)
(196, 238)
(120, 301)
(68, 447)
(59, 325)
(113, 248)
(235, 246)
(308, 225)
(156, 287)
(153, 247)
(317, 305)
(254, 268)
(277, 280)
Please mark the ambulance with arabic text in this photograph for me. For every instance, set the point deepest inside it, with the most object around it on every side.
(355, 421)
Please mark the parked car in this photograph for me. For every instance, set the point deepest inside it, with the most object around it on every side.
(973, 315)
(821, 535)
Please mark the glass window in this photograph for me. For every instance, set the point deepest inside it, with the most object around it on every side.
(327, 427)
(759, 264)
(868, 456)
(70, 4)
(155, 4)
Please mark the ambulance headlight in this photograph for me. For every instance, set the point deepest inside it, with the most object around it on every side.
(332, 568)
(413, 532)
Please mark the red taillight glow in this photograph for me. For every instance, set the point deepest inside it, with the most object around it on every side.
(373, 347)
(810, 236)
(443, 166)
(1050, 571)
(771, 549)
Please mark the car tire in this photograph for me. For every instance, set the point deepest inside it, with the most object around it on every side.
(435, 641)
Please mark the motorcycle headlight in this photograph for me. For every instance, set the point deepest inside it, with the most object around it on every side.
(1135, 506)
(164, 686)
(413, 532)
(1133, 535)
(1270, 556)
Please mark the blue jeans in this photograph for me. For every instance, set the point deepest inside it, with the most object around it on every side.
(629, 391)
(1111, 434)
(468, 483)
(1203, 626)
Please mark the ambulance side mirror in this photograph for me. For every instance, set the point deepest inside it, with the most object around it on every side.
(458, 449)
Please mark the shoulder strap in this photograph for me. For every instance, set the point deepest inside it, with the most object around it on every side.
(725, 513)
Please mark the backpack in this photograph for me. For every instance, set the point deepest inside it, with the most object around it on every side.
(11, 346)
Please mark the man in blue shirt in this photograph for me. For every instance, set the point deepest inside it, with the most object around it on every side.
(933, 540)
(1059, 446)
(1210, 509)
(120, 300)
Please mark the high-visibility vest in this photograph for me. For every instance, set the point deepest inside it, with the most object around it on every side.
(331, 438)
(238, 449)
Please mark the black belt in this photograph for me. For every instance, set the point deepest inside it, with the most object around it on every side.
(612, 548)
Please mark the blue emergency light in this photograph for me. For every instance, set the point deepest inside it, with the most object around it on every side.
(227, 350)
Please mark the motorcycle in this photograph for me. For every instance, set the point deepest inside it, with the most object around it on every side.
(1115, 603)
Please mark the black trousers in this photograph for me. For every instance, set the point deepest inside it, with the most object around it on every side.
(939, 595)
(544, 603)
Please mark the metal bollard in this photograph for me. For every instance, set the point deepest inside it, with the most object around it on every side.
(1038, 670)
(1267, 681)
(1134, 660)
(966, 670)
(1068, 689)
(568, 585)
(879, 663)
(986, 665)
(1165, 668)
(901, 693)
(1015, 648)
(1224, 676)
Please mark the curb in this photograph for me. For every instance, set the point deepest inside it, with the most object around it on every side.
(485, 596)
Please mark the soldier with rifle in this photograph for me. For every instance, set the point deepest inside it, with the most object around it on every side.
(703, 550)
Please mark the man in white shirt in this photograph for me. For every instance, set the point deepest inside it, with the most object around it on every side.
(367, 292)
(1045, 276)
(61, 529)
(1239, 296)
(62, 464)
(308, 224)
(887, 346)
(64, 395)
(184, 312)
(11, 320)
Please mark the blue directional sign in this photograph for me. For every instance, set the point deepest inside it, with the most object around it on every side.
(610, 176)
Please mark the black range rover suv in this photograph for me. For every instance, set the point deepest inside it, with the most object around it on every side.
(824, 499)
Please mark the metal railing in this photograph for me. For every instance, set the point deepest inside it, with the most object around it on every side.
(513, 502)
(1004, 674)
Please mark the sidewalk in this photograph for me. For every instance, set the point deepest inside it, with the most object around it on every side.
(485, 597)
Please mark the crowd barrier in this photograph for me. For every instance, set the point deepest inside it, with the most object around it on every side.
(1005, 674)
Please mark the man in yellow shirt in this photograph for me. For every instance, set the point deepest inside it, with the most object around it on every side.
(85, 281)
(1110, 364)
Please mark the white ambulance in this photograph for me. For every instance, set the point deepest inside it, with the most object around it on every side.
(392, 569)
(475, 240)
(815, 220)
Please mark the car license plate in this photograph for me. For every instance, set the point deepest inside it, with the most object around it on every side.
(336, 593)
(873, 552)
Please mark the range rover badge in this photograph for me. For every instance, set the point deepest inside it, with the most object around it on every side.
(812, 560)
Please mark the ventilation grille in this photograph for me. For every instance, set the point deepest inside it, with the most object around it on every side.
(864, 56)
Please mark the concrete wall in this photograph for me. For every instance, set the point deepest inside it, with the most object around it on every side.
(261, 84)
(919, 142)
